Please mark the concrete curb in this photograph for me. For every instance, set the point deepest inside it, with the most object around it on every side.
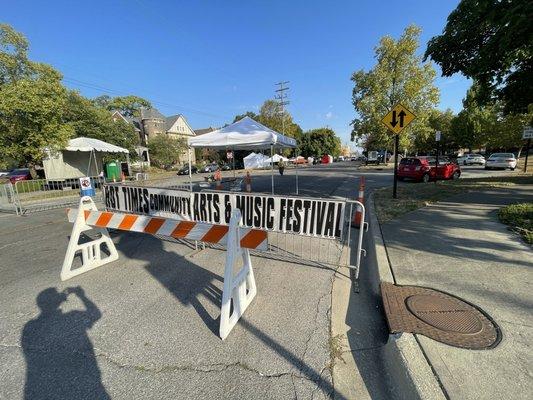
(407, 364)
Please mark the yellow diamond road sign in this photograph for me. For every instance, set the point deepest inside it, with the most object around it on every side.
(398, 118)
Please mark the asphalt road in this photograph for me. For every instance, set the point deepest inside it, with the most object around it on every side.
(146, 325)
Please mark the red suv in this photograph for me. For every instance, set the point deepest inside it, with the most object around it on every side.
(423, 169)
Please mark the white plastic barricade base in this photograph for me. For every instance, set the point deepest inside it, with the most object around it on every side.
(239, 290)
(92, 255)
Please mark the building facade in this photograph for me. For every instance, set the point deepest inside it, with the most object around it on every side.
(152, 123)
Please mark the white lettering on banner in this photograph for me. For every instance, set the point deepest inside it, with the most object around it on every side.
(304, 216)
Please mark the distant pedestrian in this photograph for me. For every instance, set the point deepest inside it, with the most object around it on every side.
(218, 179)
(281, 167)
(248, 181)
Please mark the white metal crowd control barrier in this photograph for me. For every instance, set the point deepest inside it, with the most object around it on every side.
(238, 290)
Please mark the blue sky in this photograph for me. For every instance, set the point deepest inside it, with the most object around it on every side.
(211, 60)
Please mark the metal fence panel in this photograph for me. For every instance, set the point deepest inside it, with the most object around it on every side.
(44, 194)
(8, 199)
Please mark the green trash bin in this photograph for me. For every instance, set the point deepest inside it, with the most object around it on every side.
(113, 171)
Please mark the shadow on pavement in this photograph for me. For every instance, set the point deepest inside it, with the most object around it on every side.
(368, 332)
(60, 359)
(187, 281)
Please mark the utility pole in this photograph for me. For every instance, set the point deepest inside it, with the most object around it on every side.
(282, 97)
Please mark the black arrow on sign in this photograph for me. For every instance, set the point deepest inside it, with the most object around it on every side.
(402, 114)
(394, 122)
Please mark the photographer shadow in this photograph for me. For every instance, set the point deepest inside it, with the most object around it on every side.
(60, 358)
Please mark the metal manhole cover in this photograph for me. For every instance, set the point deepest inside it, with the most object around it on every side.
(446, 314)
(438, 315)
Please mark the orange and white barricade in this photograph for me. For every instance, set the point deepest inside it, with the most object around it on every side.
(239, 289)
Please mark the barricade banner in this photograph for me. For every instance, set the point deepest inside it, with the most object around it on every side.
(304, 216)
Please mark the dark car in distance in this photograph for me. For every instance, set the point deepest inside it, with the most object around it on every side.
(423, 169)
(185, 170)
(19, 174)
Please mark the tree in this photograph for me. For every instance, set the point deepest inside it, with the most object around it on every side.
(490, 42)
(250, 114)
(31, 116)
(14, 63)
(165, 151)
(88, 120)
(129, 106)
(318, 142)
(271, 116)
(398, 76)
(438, 121)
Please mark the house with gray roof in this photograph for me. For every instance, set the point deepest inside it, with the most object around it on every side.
(151, 123)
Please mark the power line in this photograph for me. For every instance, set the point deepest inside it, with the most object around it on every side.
(103, 89)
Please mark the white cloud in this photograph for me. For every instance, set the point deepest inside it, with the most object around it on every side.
(329, 115)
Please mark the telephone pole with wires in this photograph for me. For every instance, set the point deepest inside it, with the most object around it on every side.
(282, 97)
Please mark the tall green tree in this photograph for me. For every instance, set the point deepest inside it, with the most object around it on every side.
(88, 120)
(32, 103)
(271, 116)
(491, 42)
(318, 142)
(14, 62)
(398, 76)
(438, 121)
(166, 151)
(250, 114)
(31, 116)
(129, 106)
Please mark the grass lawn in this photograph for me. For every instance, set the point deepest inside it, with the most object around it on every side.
(412, 196)
(519, 217)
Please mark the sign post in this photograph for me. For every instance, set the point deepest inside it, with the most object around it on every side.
(396, 121)
(437, 139)
(527, 134)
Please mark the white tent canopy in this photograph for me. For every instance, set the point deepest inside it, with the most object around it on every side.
(276, 158)
(90, 144)
(245, 134)
(255, 161)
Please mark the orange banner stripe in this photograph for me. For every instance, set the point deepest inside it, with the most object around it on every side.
(86, 214)
(104, 219)
(127, 222)
(154, 225)
(182, 229)
(214, 234)
(253, 239)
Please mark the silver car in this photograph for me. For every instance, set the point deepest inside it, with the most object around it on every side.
(471, 159)
(501, 160)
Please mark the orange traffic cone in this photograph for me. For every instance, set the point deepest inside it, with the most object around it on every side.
(356, 223)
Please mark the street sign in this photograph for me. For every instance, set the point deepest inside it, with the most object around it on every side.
(398, 118)
(528, 133)
(437, 136)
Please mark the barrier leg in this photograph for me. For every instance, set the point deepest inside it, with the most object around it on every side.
(239, 290)
(91, 252)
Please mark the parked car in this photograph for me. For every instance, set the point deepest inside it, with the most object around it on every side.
(501, 160)
(471, 159)
(185, 170)
(4, 173)
(210, 167)
(19, 174)
(423, 169)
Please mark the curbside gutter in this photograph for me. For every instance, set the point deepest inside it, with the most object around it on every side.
(410, 372)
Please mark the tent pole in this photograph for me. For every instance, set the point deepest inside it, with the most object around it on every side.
(233, 158)
(297, 170)
(272, 167)
(190, 168)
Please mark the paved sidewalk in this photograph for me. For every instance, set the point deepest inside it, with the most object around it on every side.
(459, 247)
